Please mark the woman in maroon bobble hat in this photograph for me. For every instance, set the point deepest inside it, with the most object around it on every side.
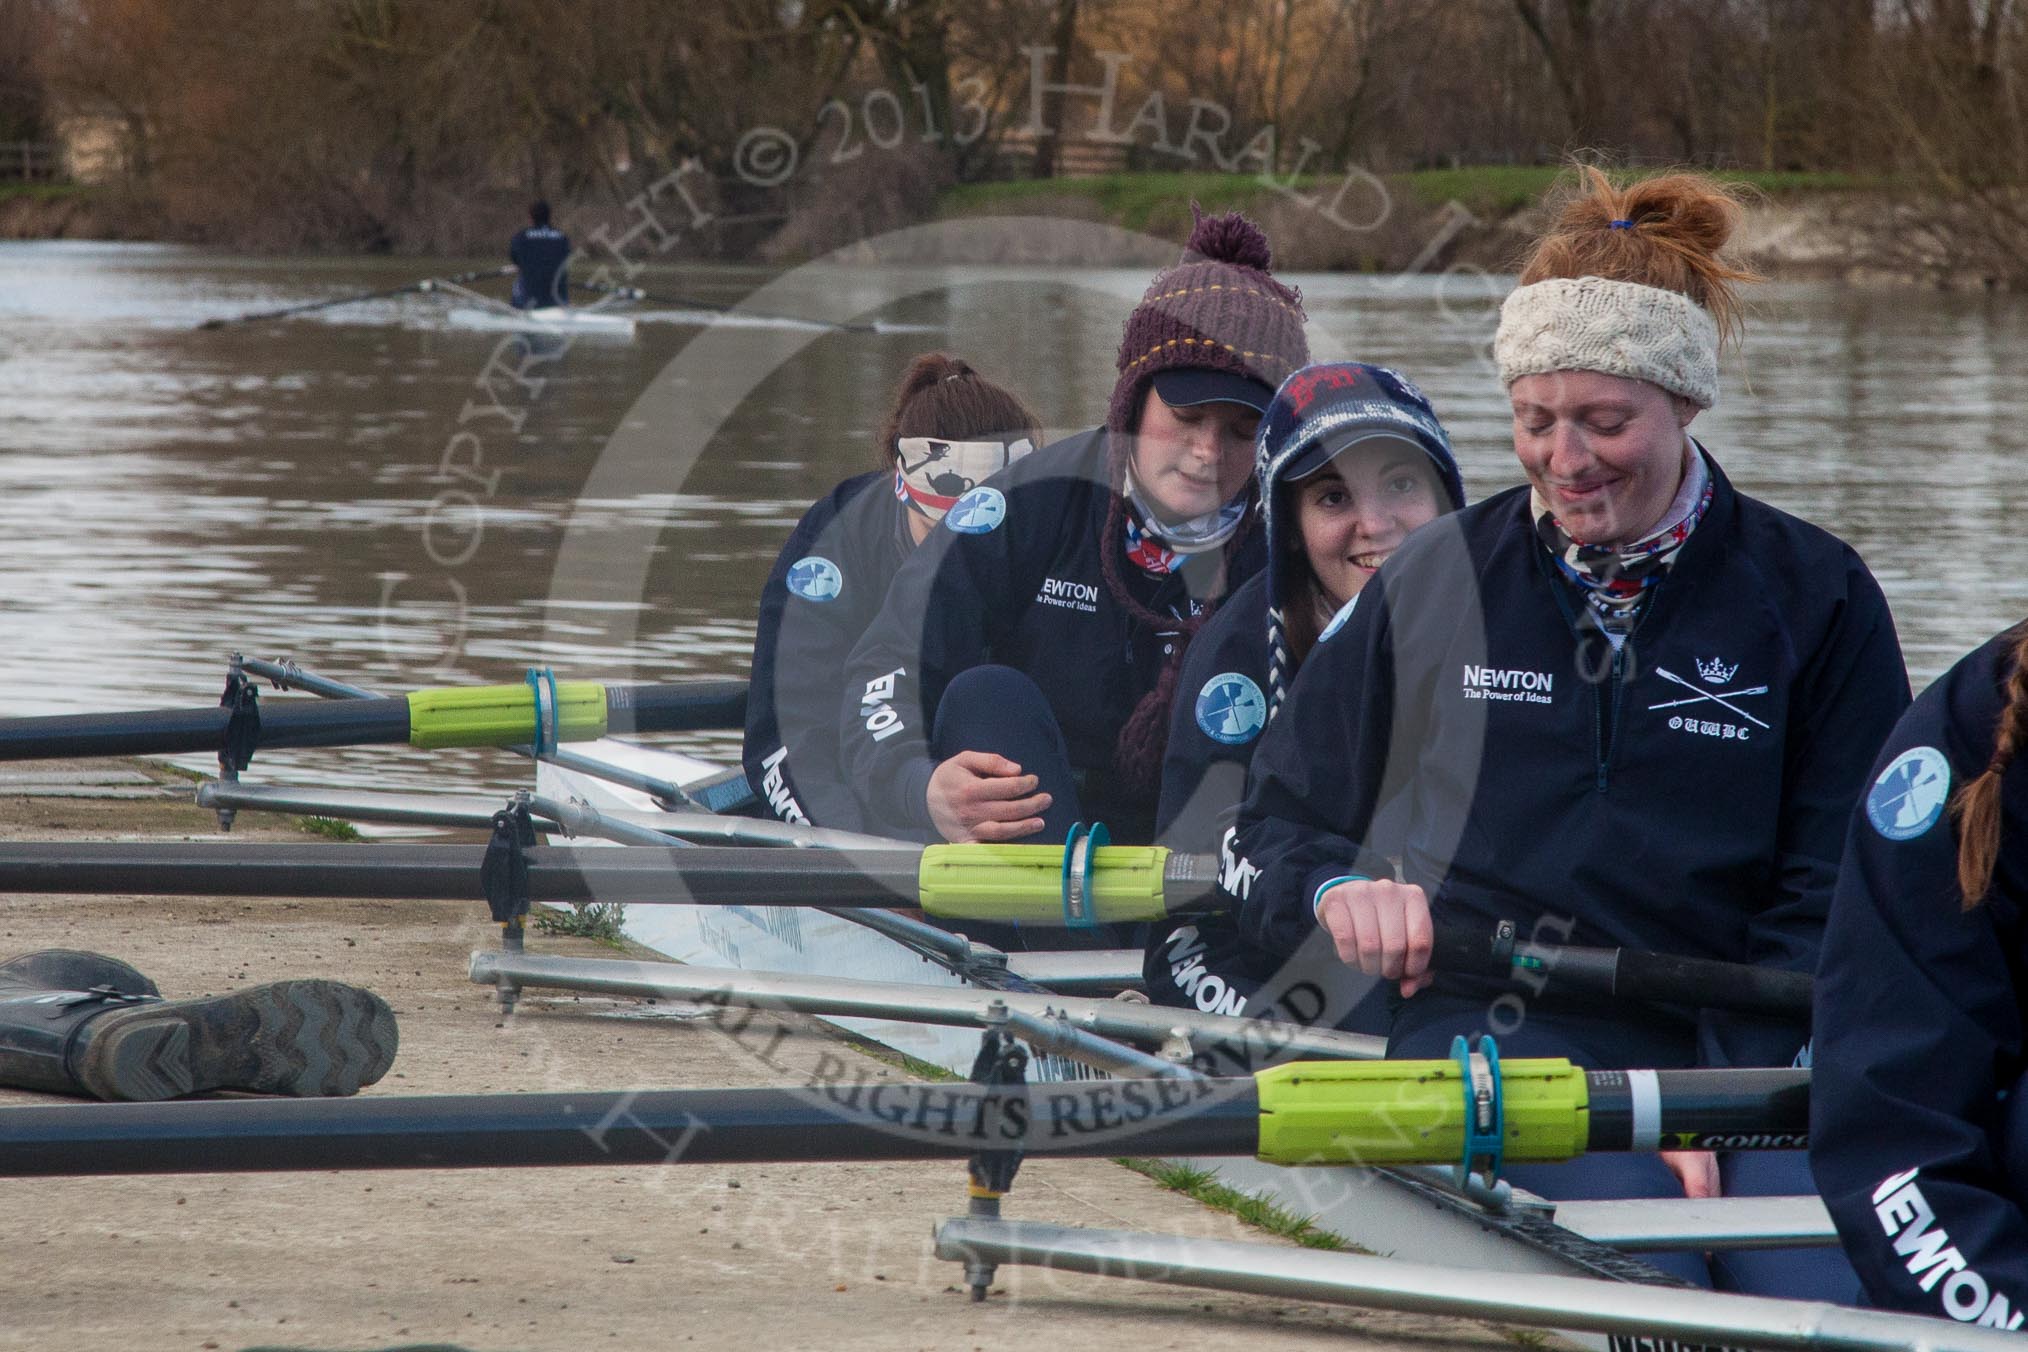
(1019, 676)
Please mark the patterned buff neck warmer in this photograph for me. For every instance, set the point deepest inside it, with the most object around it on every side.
(1157, 548)
(1616, 580)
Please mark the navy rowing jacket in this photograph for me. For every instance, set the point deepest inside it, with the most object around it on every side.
(1220, 709)
(1918, 1129)
(825, 588)
(1687, 794)
(1012, 576)
(538, 254)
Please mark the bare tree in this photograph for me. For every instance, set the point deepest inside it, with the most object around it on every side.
(1571, 50)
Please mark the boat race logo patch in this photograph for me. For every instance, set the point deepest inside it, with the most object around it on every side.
(816, 579)
(1910, 794)
(978, 512)
(1230, 708)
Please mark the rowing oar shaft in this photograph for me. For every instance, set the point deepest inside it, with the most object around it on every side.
(638, 874)
(959, 882)
(167, 731)
(1662, 978)
(1341, 1112)
(1026, 884)
(507, 715)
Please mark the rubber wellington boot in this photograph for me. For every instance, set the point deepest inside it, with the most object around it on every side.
(80, 1023)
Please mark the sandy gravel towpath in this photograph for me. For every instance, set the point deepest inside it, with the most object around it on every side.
(765, 1257)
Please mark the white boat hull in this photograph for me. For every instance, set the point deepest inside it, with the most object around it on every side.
(547, 319)
(777, 938)
(1381, 1210)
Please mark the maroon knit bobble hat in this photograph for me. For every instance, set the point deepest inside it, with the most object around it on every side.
(1218, 309)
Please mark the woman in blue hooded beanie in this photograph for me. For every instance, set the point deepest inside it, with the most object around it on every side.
(1350, 459)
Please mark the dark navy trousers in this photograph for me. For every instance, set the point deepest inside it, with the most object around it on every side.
(1001, 710)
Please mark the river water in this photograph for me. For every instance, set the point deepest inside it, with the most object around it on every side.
(396, 498)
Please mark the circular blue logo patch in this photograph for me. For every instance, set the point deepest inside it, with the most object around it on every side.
(816, 579)
(1231, 709)
(1909, 795)
(977, 512)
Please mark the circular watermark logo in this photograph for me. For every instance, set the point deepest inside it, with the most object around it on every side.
(603, 568)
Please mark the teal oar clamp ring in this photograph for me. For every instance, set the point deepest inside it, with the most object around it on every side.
(1080, 848)
(543, 681)
(1485, 1115)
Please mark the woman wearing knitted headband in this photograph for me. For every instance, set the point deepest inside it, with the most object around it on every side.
(1018, 679)
(948, 430)
(1918, 1103)
(1632, 706)
(1349, 459)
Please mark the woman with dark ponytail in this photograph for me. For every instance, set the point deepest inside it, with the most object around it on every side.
(1020, 676)
(948, 429)
(1918, 1101)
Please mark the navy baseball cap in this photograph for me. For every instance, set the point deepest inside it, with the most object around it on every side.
(1184, 386)
(1329, 447)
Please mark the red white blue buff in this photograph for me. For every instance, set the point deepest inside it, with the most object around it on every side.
(1615, 580)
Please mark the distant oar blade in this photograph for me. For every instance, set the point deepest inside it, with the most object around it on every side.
(357, 298)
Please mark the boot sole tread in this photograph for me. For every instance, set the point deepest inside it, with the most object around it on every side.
(301, 1038)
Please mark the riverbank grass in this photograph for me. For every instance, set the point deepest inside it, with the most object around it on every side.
(1145, 200)
(42, 192)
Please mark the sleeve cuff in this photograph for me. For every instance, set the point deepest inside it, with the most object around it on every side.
(915, 790)
(1317, 892)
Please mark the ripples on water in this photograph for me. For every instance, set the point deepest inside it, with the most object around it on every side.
(168, 495)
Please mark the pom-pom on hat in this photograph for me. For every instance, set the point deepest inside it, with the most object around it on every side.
(1218, 311)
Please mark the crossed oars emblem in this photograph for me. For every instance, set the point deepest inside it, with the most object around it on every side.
(1721, 698)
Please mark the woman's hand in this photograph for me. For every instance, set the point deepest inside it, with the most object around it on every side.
(978, 796)
(1382, 928)
(1697, 1170)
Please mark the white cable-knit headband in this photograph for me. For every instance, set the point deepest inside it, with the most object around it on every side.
(1622, 328)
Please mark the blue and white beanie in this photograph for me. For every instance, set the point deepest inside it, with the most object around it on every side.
(1319, 412)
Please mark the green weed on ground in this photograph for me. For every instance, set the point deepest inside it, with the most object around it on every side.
(600, 920)
(330, 828)
(1202, 1185)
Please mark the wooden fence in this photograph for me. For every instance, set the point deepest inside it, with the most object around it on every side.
(31, 162)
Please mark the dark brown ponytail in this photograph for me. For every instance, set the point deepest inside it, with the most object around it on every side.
(941, 396)
(1976, 806)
